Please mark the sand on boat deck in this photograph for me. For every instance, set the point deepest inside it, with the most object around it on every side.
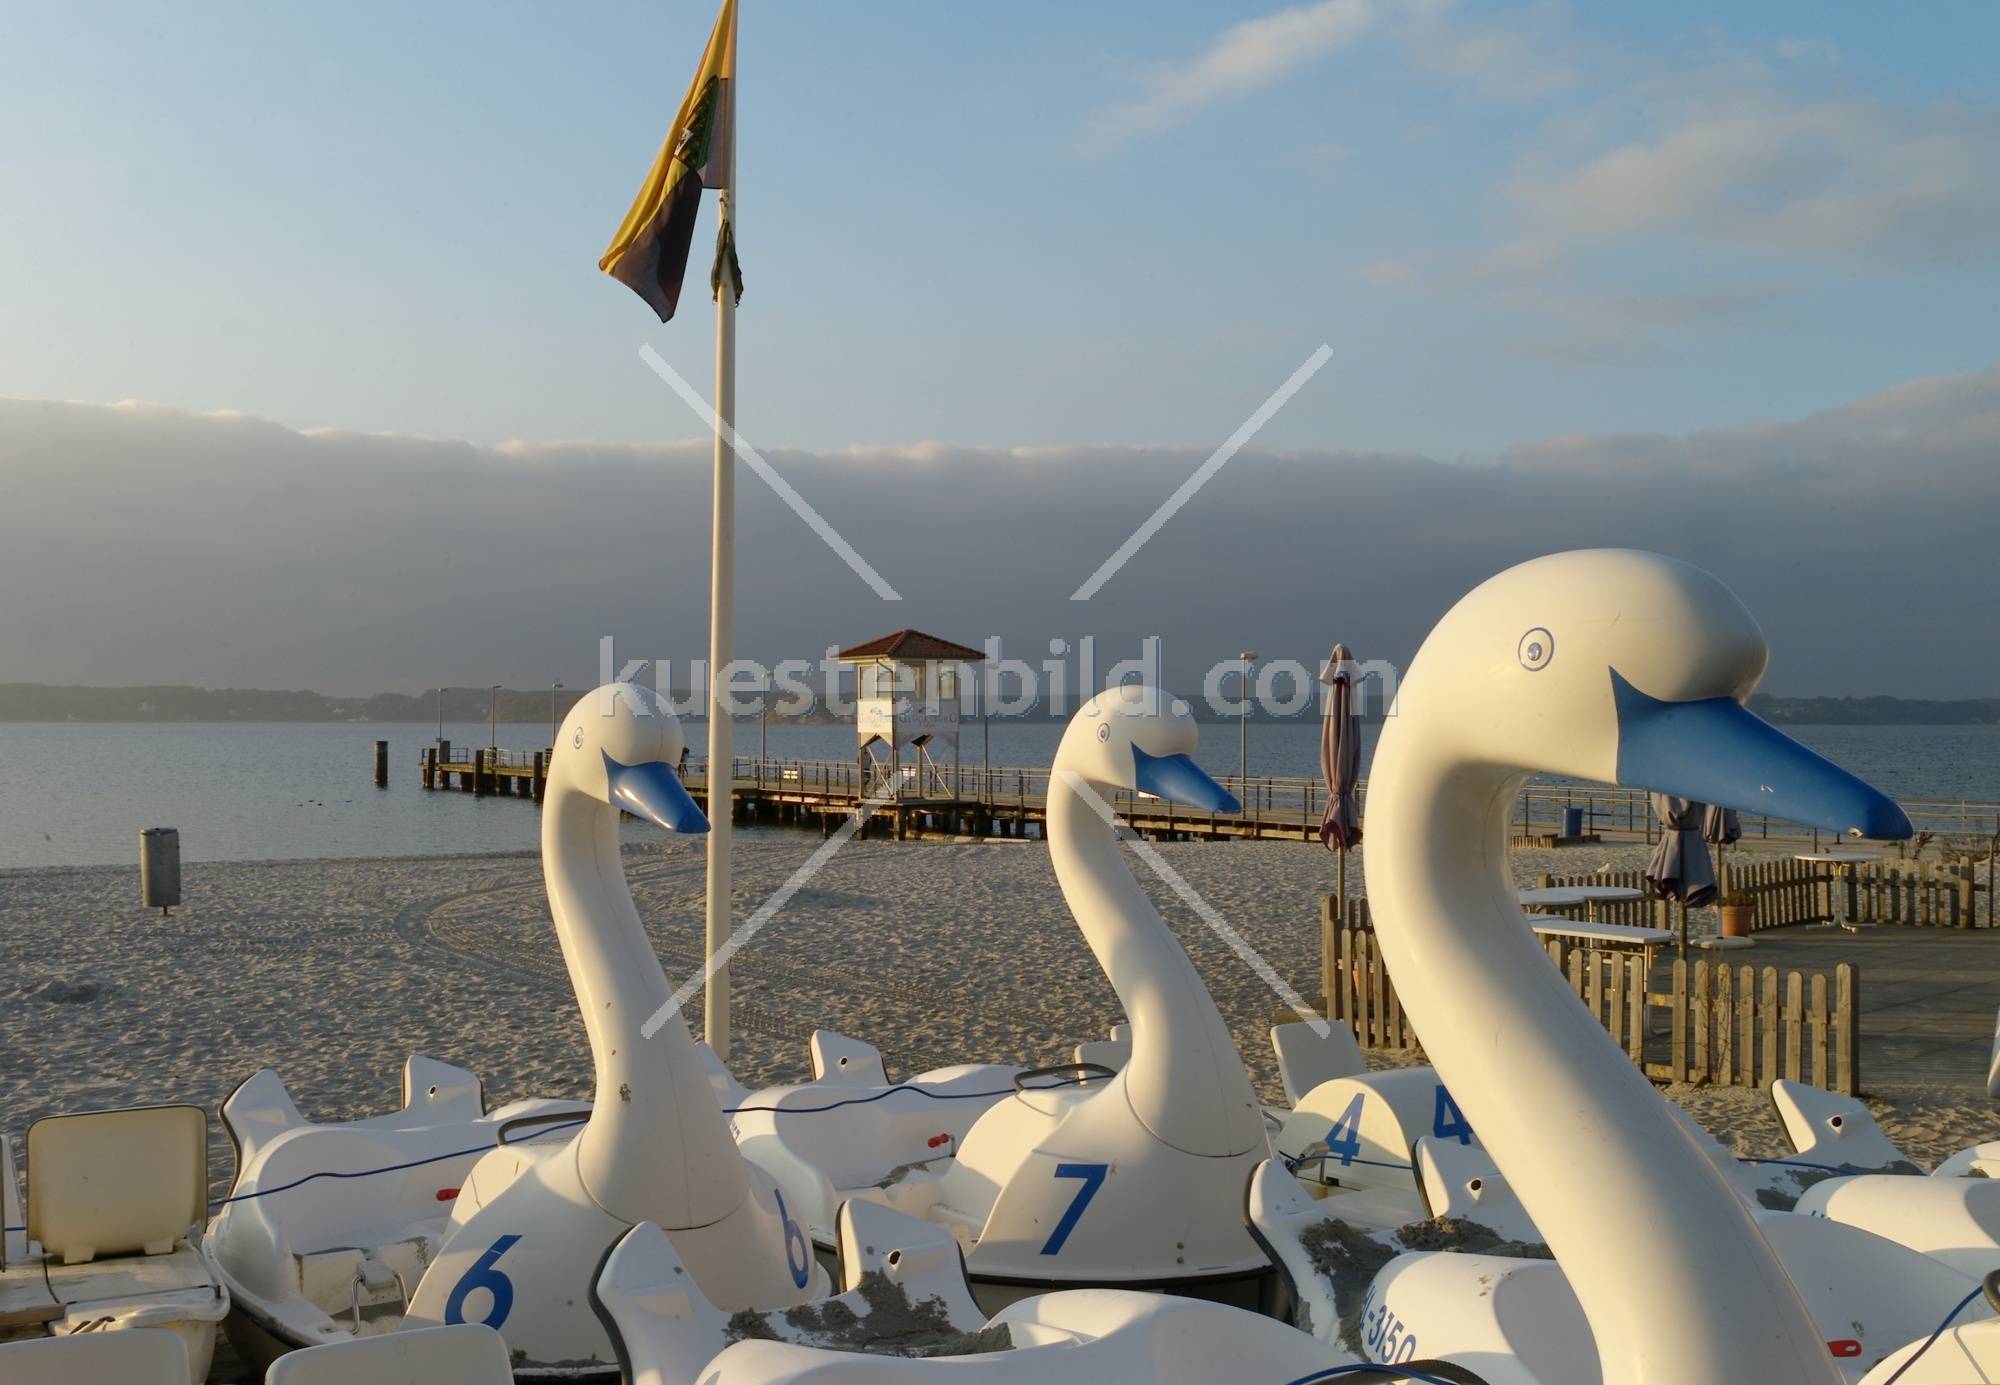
(332, 972)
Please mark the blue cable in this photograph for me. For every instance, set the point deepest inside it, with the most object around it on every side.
(570, 1125)
(891, 1091)
(1931, 1340)
(370, 1173)
(1293, 1165)
(1331, 1372)
(1797, 1164)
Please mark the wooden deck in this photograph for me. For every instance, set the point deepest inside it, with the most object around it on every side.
(971, 802)
(1010, 801)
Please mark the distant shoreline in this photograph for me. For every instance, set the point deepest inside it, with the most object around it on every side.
(39, 702)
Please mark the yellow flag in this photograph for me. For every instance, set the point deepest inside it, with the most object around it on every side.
(650, 252)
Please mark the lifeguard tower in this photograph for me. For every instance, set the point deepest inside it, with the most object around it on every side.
(906, 717)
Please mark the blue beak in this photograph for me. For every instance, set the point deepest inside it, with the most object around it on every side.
(1178, 779)
(1715, 751)
(653, 791)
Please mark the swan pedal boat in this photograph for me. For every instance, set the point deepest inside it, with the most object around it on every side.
(548, 1190)
(1082, 1175)
(329, 1226)
(1851, 1172)
(1619, 667)
(851, 1129)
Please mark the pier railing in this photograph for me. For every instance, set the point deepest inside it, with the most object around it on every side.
(1297, 799)
(1285, 806)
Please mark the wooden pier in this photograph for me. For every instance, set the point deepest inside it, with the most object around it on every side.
(974, 802)
(1008, 801)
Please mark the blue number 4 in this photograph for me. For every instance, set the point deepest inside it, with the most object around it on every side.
(1092, 1176)
(1344, 1138)
(1449, 1123)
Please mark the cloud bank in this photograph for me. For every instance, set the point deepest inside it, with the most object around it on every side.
(141, 544)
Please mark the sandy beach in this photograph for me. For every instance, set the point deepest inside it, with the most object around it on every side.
(332, 972)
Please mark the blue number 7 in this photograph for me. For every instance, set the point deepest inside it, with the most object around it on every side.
(1093, 1179)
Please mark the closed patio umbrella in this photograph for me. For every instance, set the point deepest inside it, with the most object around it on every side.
(1680, 868)
(1340, 761)
(1722, 827)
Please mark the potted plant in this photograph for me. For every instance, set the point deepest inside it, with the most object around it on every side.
(1739, 913)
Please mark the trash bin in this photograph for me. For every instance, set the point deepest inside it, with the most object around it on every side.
(1572, 822)
(159, 868)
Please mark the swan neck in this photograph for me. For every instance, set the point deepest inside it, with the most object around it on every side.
(1670, 1268)
(656, 1146)
(1185, 1079)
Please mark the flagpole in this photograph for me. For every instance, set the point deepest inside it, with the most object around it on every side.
(721, 622)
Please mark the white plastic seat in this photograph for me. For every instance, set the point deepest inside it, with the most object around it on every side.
(1306, 1059)
(464, 1354)
(1105, 1053)
(116, 1182)
(140, 1357)
(1113, 1053)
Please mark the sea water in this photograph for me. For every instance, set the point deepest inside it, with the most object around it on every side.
(76, 793)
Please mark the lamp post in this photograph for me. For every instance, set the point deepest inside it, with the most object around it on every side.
(554, 688)
(493, 717)
(1248, 657)
(440, 716)
(764, 727)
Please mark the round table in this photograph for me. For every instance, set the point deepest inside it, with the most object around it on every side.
(1841, 864)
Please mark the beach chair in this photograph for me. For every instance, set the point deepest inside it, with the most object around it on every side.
(145, 1357)
(464, 1354)
(1306, 1059)
(115, 1204)
(108, 1183)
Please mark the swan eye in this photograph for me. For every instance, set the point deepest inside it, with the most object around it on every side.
(1104, 731)
(1538, 646)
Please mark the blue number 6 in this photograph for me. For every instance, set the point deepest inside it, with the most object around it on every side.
(484, 1275)
(1093, 1179)
(801, 1268)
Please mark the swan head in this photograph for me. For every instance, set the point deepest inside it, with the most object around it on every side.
(622, 746)
(1140, 739)
(1629, 668)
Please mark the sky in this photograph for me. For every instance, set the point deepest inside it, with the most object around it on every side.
(1045, 255)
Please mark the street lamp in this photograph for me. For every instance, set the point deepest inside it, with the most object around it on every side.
(493, 716)
(440, 716)
(1249, 657)
(554, 688)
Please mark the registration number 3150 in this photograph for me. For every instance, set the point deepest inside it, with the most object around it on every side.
(1383, 1336)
